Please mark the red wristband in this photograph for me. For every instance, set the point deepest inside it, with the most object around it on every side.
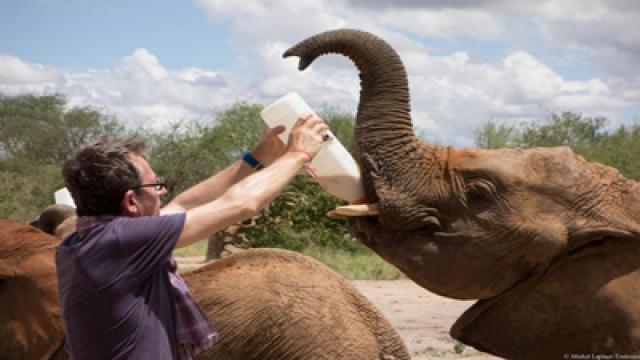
(309, 156)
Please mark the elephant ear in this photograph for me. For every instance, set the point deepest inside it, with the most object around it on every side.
(585, 302)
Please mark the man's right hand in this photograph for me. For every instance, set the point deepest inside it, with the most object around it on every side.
(306, 134)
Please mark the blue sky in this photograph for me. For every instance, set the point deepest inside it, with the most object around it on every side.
(89, 33)
(157, 62)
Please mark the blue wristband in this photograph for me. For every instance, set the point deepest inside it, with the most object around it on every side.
(253, 162)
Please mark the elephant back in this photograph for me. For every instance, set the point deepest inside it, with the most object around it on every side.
(277, 304)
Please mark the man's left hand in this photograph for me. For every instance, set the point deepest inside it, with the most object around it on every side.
(270, 147)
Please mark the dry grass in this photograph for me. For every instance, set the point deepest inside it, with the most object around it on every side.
(362, 264)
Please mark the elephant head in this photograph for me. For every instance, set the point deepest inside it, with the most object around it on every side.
(535, 234)
(29, 312)
(53, 217)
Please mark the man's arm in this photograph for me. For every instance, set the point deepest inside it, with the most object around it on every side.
(269, 149)
(244, 199)
(209, 189)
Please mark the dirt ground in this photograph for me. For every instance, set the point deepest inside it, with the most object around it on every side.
(422, 318)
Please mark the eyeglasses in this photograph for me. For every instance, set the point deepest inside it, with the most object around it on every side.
(160, 184)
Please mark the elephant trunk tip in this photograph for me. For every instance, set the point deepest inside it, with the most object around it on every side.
(290, 52)
(304, 61)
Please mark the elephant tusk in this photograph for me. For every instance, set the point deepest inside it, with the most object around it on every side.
(344, 212)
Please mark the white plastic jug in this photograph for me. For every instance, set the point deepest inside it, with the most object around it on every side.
(333, 167)
(63, 197)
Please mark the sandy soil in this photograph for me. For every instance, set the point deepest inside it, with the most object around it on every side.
(422, 318)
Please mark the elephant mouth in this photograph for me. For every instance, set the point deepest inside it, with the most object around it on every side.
(450, 235)
(367, 230)
(373, 234)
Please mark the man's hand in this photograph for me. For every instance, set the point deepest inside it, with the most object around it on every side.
(270, 147)
(306, 135)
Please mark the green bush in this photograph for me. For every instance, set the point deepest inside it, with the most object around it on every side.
(37, 133)
(23, 196)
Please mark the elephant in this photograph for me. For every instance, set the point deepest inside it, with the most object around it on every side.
(547, 242)
(58, 220)
(265, 304)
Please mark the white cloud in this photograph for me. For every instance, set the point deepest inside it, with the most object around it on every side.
(606, 29)
(256, 23)
(223, 9)
(14, 71)
(444, 23)
(143, 64)
(140, 90)
(451, 94)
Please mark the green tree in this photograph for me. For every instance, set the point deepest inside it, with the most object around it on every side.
(493, 136)
(583, 134)
(587, 136)
(40, 130)
(37, 133)
(621, 149)
(188, 153)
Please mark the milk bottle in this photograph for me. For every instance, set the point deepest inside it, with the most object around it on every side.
(63, 197)
(333, 167)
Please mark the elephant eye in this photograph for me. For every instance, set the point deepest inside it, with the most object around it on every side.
(480, 191)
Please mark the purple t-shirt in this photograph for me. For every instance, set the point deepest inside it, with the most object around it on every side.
(116, 298)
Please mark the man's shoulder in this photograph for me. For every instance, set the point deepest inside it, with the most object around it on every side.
(136, 233)
(145, 220)
(124, 225)
(93, 240)
(69, 240)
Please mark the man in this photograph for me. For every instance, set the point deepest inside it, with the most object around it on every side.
(119, 294)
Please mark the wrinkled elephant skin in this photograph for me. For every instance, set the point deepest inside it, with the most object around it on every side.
(546, 240)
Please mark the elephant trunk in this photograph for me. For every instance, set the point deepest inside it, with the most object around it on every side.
(395, 165)
(384, 133)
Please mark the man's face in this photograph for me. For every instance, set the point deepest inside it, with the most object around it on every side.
(148, 197)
